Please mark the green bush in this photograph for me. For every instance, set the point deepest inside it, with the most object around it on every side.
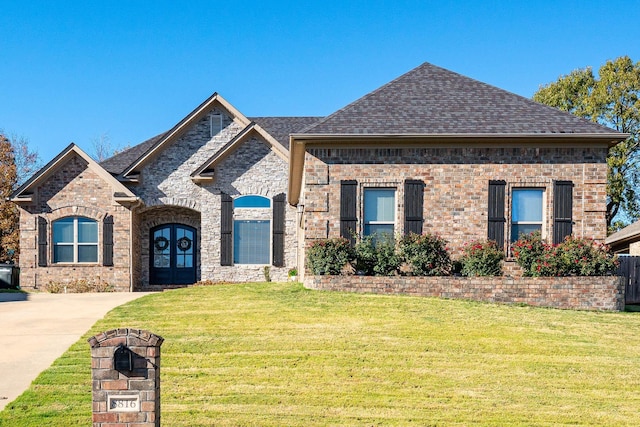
(528, 249)
(482, 259)
(377, 256)
(329, 256)
(426, 254)
(572, 257)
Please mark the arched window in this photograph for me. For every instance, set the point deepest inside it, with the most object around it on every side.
(252, 230)
(75, 240)
(252, 202)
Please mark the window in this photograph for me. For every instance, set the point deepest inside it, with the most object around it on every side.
(379, 211)
(252, 230)
(526, 211)
(251, 202)
(215, 124)
(75, 240)
(251, 241)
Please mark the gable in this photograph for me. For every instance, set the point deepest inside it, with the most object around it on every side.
(214, 102)
(59, 166)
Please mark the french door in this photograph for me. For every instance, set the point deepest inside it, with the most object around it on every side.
(173, 255)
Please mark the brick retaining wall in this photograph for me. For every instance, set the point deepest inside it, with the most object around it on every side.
(581, 293)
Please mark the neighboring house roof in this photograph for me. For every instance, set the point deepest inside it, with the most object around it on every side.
(120, 193)
(432, 100)
(622, 238)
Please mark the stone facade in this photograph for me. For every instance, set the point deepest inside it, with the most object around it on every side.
(171, 196)
(580, 293)
(456, 184)
(166, 194)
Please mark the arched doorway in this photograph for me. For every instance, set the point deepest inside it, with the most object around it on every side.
(173, 255)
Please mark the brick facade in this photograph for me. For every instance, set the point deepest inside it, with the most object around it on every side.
(73, 190)
(142, 382)
(456, 185)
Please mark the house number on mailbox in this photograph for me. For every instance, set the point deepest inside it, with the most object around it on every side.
(124, 403)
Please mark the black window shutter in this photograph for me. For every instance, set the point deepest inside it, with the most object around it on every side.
(495, 215)
(226, 230)
(348, 217)
(107, 239)
(413, 206)
(42, 242)
(278, 230)
(562, 210)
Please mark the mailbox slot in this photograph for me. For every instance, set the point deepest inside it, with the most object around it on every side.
(123, 359)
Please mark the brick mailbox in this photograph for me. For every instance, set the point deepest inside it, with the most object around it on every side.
(125, 367)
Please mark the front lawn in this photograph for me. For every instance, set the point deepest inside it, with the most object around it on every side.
(276, 354)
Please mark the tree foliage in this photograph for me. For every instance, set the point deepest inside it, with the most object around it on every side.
(9, 219)
(27, 161)
(612, 99)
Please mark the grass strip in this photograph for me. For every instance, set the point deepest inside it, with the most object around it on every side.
(273, 354)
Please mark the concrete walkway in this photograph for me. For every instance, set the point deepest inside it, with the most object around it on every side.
(36, 332)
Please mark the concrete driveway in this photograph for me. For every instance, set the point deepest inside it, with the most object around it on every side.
(36, 332)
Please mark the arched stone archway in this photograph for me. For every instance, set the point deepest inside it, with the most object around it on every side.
(175, 224)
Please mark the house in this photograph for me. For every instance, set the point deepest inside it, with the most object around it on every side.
(626, 241)
(221, 196)
(203, 201)
(437, 152)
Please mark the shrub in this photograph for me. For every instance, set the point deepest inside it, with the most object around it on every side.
(426, 254)
(329, 256)
(528, 249)
(585, 257)
(572, 257)
(78, 286)
(482, 259)
(377, 256)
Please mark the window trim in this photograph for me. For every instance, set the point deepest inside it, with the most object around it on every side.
(543, 203)
(243, 213)
(393, 223)
(75, 243)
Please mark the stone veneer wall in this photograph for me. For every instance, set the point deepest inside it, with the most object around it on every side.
(252, 169)
(74, 190)
(582, 293)
(456, 190)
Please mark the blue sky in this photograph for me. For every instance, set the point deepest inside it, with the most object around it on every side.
(75, 70)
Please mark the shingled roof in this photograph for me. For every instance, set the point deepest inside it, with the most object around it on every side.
(431, 100)
(116, 164)
(281, 127)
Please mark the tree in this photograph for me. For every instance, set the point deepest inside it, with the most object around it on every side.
(27, 161)
(9, 218)
(102, 147)
(611, 99)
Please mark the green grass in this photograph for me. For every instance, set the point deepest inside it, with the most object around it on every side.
(280, 355)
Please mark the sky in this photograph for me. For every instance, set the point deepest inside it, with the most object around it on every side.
(76, 71)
